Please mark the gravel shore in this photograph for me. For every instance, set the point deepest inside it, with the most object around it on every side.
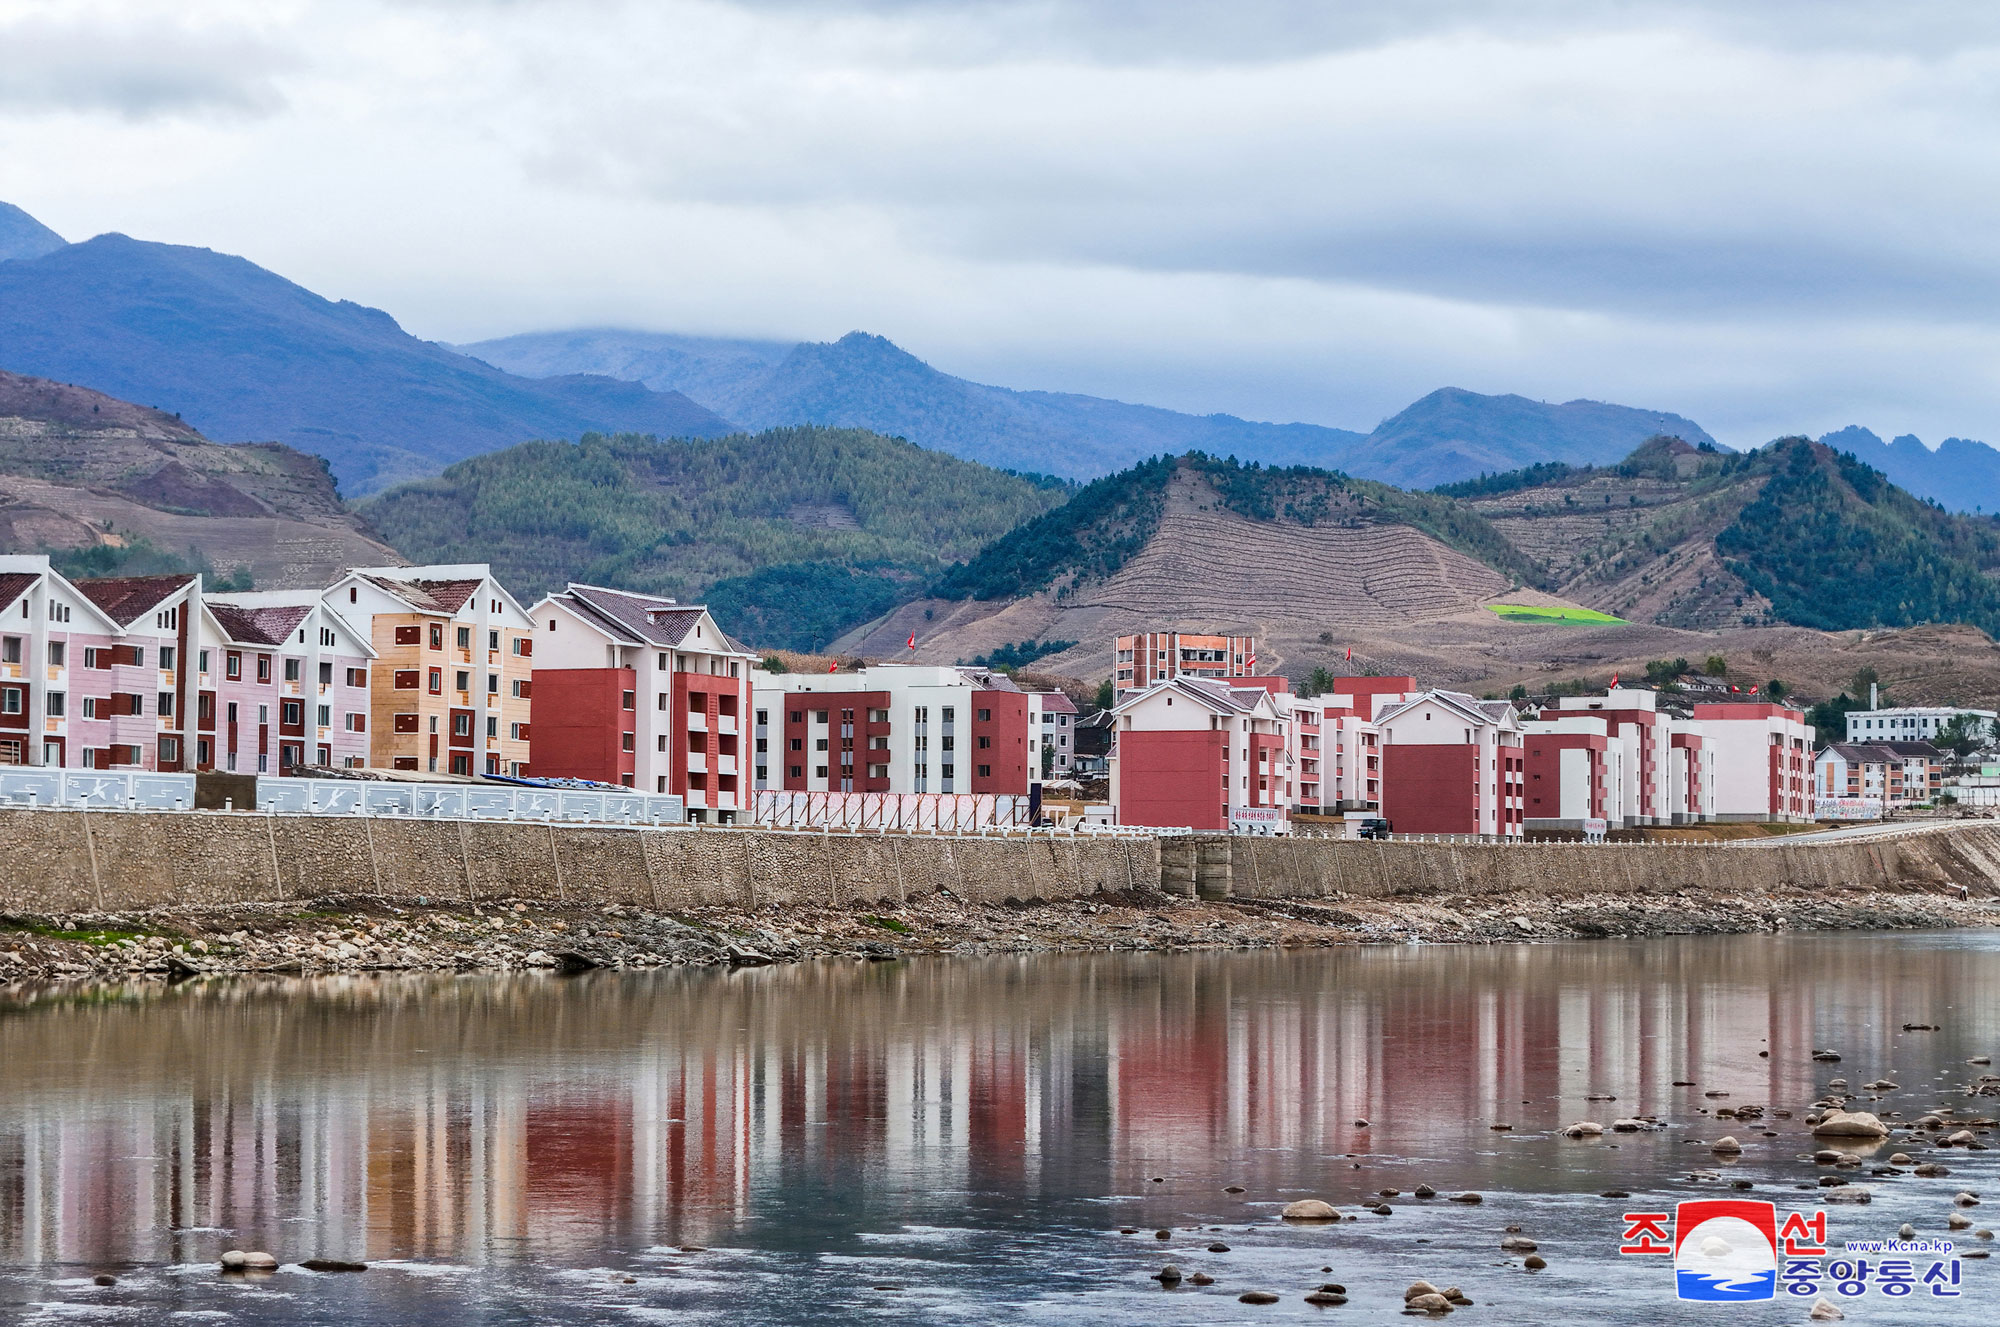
(358, 934)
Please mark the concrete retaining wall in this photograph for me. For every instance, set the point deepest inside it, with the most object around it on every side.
(59, 862)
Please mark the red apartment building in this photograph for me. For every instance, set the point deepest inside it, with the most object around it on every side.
(1202, 754)
(638, 690)
(1158, 656)
(1452, 764)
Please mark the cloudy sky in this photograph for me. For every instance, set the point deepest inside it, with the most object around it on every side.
(1774, 218)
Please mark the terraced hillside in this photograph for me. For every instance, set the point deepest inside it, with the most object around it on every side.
(1289, 557)
(124, 487)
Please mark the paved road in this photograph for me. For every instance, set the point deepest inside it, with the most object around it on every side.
(1871, 830)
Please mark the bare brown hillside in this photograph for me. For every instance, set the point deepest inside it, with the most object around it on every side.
(79, 469)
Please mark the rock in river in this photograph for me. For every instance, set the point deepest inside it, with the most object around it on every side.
(1310, 1209)
(1849, 1124)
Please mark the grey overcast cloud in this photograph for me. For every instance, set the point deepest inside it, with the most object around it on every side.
(1781, 217)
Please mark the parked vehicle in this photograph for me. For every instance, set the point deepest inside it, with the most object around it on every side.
(1376, 828)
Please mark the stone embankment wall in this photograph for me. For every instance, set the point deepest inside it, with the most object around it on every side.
(59, 862)
(1966, 855)
(56, 862)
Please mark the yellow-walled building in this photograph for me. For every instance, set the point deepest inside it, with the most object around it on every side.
(452, 683)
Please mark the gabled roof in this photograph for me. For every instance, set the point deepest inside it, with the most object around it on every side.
(445, 597)
(125, 599)
(1217, 695)
(259, 626)
(14, 584)
(987, 680)
(1056, 702)
(1877, 753)
(1478, 711)
(641, 619)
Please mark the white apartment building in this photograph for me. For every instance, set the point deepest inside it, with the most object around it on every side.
(902, 728)
(1911, 723)
(1052, 730)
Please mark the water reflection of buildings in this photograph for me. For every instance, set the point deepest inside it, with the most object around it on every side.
(486, 1120)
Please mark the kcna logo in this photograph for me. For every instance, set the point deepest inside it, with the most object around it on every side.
(1724, 1249)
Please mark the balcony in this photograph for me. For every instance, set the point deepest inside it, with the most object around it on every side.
(723, 764)
(697, 762)
(724, 723)
(697, 721)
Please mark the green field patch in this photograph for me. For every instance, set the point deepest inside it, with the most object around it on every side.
(1572, 617)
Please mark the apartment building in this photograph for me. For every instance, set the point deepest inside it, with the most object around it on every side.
(1761, 755)
(1913, 723)
(903, 728)
(1452, 764)
(1052, 732)
(451, 686)
(1632, 718)
(76, 689)
(1572, 768)
(1335, 745)
(639, 690)
(283, 684)
(1158, 656)
(1892, 773)
(1204, 754)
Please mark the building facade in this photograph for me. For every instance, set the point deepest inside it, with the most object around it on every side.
(1761, 759)
(1335, 745)
(452, 683)
(641, 691)
(1158, 656)
(1913, 723)
(1892, 773)
(283, 685)
(1203, 754)
(902, 728)
(1452, 764)
(1052, 722)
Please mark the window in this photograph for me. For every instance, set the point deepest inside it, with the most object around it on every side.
(325, 674)
(437, 681)
(403, 723)
(232, 665)
(357, 723)
(232, 711)
(357, 677)
(986, 716)
(661, 665)
(819, 744)
(523, 646)
(57, 612)
(437, 635)
(90, 707)
(462, 681)
(985, 743)
(519, 731)
(797, 771)
(819, 772)
(166, 705)
(628, 700)
(406, 762)
(522, 690)
(10, 700)
(263, 668)
(947, 712)
(293, 668)
(946, 741)
(461, 763)
(326, 640)
(461, 725)
(263, 714)
(493, 725)
(55, 701)
(626, 742)
(324, 718)
(493, 641)
(411, 635)
(138, 657)
(56, 655)
(406, 679)
(985, 771)
(465, 638)
(945, 770)
(292, 713)
(167, 657)
(493, 684)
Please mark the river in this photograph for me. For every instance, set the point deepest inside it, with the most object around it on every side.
(953, 1141)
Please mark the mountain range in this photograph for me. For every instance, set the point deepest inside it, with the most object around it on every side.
(244, 355)
(866, 381)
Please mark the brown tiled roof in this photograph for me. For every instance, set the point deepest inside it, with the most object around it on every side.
(259, 626)
(1056, 702)
(643, 619)
(14, 584)
(428, 596)
(125, 599)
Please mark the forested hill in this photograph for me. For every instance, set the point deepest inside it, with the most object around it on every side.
(794, 534)
(1111, 520)
(1793, 532)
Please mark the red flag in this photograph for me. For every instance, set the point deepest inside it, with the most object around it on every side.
(1350, 654)
(1735, 688)
(833, 667)
(1614, 681)
(1252, 662)
(913, 640)
(1753, 690)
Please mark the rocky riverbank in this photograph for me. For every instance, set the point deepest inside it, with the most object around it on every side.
(358, 934)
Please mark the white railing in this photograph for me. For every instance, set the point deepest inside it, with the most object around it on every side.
(951, 812)
(95, 789)
(458, 801)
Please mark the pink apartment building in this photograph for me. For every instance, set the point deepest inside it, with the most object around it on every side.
(283, 684)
